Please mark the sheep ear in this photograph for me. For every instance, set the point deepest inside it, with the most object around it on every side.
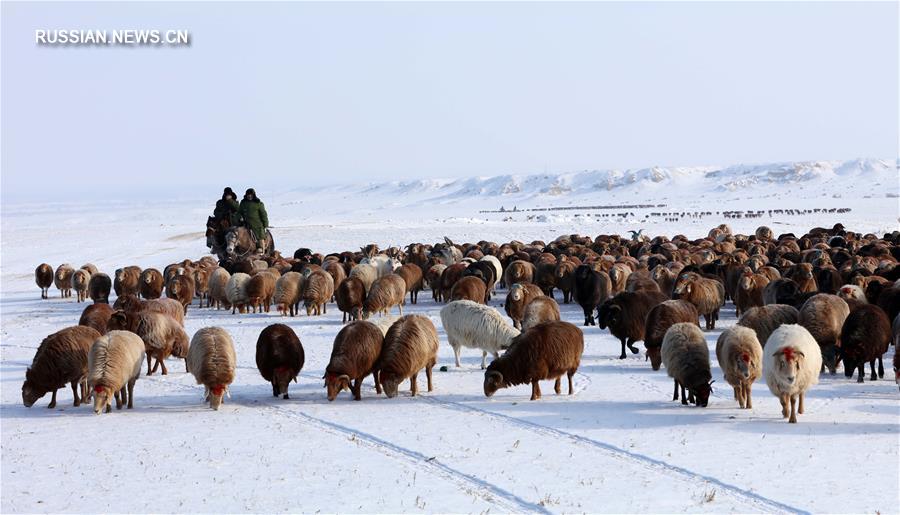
(804, 355)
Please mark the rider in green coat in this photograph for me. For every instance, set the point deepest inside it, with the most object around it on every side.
(253, 211)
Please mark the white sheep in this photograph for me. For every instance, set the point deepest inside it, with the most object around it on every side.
(236, 291)
(114, 364)
(791, 364)
(474, 325)
(740, 357)
(212, 361)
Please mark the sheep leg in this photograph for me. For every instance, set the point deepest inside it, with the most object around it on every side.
(52, 401)
(274, 389)
(400, 307)
(748, 388)
(739, 395)
(793, 419)
(376, 375)
(131, 392)
(631, 347)
(413, 384)
(874, 376)
(483, 359)
(535, 390)
(675, 395)
(570, 373)
(784, 406)
(325, 308)
(120, 397)
(684, 397)
(428, 376)
(344, 318)
(149, 357)
(75, 394)
(557, 386)
(622, 356)
(881, 367)
(162, 363)
(800, 403)
(355, 389)
(862, 372)
(456, 350)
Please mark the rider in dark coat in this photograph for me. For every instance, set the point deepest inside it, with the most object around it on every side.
(227, 208)
(253, 211)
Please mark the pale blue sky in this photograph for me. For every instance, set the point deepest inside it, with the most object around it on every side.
(293, 93)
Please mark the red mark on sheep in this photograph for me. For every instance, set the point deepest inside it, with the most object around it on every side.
(98, 388)
(745, 357)
(788, 353)
(218, 389)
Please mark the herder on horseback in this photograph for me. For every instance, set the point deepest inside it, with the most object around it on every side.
(253, 212)
(227, 208)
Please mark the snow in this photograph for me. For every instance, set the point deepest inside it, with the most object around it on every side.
(618, 445)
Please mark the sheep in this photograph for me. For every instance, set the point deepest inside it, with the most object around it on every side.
(823, 315)
(591, 289)
(62, 279)
(659, 319)
(151, 283)
(409, 345)
(749, 292)
(476, 326)
(518, 272)
(665, 278)
(365, 273)
(539, 310)
(469, 288)
(791, 363)
(412, 276)
(449, 277)
(626, 314)
(498, 269)
(61, 359)
(287, 293)
(765, 319)
(127, 281)
(201, 285)
(236, 292)
(80, 280)
(386, 292)
(781, 291)
(852, 294)
(160, 334)
(91, 268)
(318, 288)
(518, 298)
(686, 357)
(545, 276)
(336, 271)
(218, 288)
(708, 295)
(865, 337)
(354, 356)
(181, 288)
(114, 364)
(43, 277)
(802, 274)
(545, 351)
(763, 233)
(433, 278)
(279, 357)
(484, 272)
(739, 354)
(260, 290)
(212, 362)
(96, 316)
(350, 296)
(641, 281)
(618, 275)
(99, 287)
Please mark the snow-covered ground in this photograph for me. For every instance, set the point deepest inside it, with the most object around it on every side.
(618, 445)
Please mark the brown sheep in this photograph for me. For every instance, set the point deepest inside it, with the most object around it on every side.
(739, 354)
(449, 277)
(545, 276)
(212, 362)
(659, 319)
(43, 277)
(91, 269)
(96, 316)
(61, 358)
(151, 284)
(641, 281)
(518, 298)
(132, 305)
(865, 337)
(353, 357)
(160, 334)
(181, 288)
(412, 276)
(538, 311)
(218, 288)
(765, 319)
(565, 277)
(201, 285)
(127, 281)
(665, 278)
(708, 295)
(469, 288)
(410, 345)
(823, 315)
(433, 278)
(618, 275)
(260, 290)
(350, 296)
(749, 293)
(386, 292)
(279, 357)
(63, 280)
(336, 270)
(802, 274)
(546, 351)
(517, 272)
(99, 288)
(626, 315)
(318, 288)
(287, 293)
(80, 280)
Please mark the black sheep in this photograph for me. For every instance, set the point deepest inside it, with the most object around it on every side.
(625, 315)
(865, 337)
(591, 288)
(279, 357)
(829, 280)
(485, 271)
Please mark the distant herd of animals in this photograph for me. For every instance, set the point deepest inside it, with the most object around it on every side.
(806, 304)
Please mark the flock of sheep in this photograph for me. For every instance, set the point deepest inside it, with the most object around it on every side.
(806, 304)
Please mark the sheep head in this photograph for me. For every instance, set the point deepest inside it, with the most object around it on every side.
(216, 395)
(516, 292)
(742, 364)
(654, 354)
(608, 314)
(335, 384)
(493, 381)
(390, 384)
(103, 396)
(282, 379)
(702, 393)
(788, 362)
(30, 394)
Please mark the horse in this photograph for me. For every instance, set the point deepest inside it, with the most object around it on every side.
(215, 234)
(239, 243)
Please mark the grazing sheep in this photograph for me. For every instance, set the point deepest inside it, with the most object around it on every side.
(518, 272)
(218, 288)
(781, 291)
(279, 357)
(260, 290)
(823, 315)
(865, 337)
(476, 326)
(659, 319)
(852, 294)
(433, 278)
(591, 289)
(385, 323)
(80, 280)
(62, 279)
(181, 288)
(61, 359)
(469, 288)
(160, 334)
(212, 362)
(43, 277)
(287, 293)
(686, 357)
(540, 310)
(151, 283)
(96, 316)
(765, 319)
(236, 292)
(353, 357)
(626, 315)
(127, 281)
(412, 276)
(708, 295)
(350, 296)
(749, 292)
(318, 288)
(99, 287)
(546, 351)
(386, 292)
(518, 298)
(410, 345)
(114, 364)
(791, 363)
(740, 357)
(365, 273)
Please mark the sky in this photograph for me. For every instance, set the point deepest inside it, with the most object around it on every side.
(288, 94)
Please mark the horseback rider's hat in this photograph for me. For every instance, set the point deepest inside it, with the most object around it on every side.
(228, 191)
(251, 191)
